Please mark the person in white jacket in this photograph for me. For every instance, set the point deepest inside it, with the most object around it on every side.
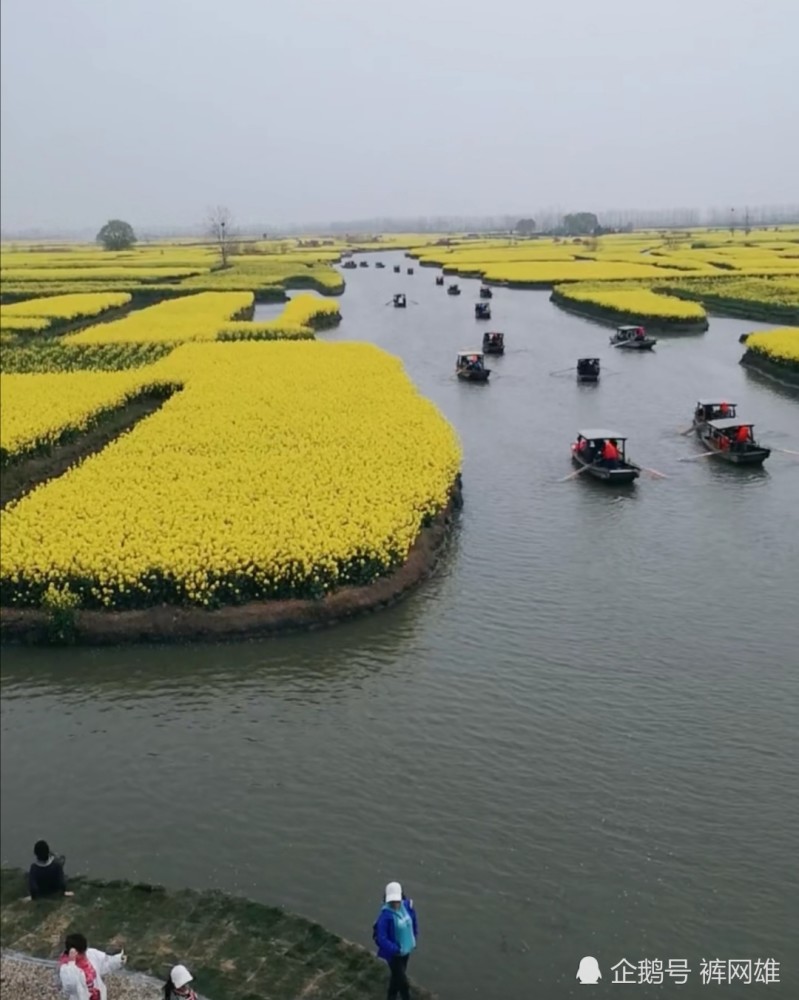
(81, 969)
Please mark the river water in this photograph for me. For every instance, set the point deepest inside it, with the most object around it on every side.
(579, 738)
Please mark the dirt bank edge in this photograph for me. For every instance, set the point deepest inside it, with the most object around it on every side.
(238, 949)
(167, 623)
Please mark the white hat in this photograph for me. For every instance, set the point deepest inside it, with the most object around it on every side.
(180, 975)
(393, 892)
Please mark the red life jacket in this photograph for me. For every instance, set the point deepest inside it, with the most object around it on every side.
(609, 450)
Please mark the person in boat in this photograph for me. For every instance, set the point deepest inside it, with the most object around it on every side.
(610, 454)
(46, 874)
(395, 933)
(639, 333)
(724, 409)
(742, 436)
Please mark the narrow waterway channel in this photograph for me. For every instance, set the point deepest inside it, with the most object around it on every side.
(579, 738)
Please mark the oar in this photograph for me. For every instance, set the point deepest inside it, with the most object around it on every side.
(573, 474)
(654, 472)
(693, 458)
(687, 431)
(786, 451)
(562, 371)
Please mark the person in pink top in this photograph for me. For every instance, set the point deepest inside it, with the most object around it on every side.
(81, 969)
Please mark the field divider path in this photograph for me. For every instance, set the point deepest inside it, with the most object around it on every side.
(21, 475)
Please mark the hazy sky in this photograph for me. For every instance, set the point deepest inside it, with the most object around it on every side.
(308, 110)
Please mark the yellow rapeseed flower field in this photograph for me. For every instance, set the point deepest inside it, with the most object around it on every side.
(38, 409)
(190, 317)
(60, 308)
(297, 321)
(779, 345)
(280, 469)
(32, 275)
(23, 324)
(637, 303)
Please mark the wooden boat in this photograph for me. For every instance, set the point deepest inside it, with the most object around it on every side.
(733, 440)
(364, 263)
(711, 409)
(453, 290)
(399, 301)
(470, 367)
(482, 310)
(587, 454)
(380, 264)
(632, 338)
(439, 279)
(349, 265)
(486, 293)
(410, 270)
(588, 370)
(397, 269)
(493, 343)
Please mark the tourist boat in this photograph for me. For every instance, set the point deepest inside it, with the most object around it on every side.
(711, 409)
(439, 279)
(453, 290)
(349, 264)
(588, 370)
(399, 301)
(380, 264)
(410, 270)
(486, 293)
(733, 440)
(632, 338)
(493, 343)
(482, 310)
(364, 263)
(396, 269)
(587, 452)
(470, 367)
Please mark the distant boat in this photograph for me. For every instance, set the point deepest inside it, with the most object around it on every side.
(470, 367)
(494, 343)
(486, 293)
(632, 338)
(482, 310)
(439, 279)
(453, 290)
(588, 370)
(399, 301)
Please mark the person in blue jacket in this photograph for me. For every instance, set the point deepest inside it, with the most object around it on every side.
(395, 932)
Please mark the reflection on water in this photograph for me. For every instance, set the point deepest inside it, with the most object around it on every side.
(577, 738)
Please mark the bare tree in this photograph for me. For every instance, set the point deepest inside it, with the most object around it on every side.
(221, 231)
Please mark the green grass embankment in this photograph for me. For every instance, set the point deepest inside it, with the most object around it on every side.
(236, 948)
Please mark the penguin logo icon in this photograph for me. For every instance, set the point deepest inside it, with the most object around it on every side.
(588, 971)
